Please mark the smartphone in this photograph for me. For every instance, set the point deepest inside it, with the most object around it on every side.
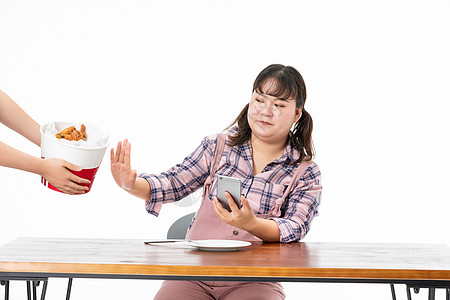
(231, 185)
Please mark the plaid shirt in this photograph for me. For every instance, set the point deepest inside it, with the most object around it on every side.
(261, 190)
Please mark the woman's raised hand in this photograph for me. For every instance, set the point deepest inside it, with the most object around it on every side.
(121, 167)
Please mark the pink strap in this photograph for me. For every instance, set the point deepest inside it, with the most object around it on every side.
(220, 145)
(275, 211)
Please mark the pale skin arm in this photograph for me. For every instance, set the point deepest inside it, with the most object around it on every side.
(18, 120)
(245, 218)
(56, 171)
(124, 176)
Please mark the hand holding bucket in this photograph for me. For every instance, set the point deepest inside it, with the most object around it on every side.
(87, 154)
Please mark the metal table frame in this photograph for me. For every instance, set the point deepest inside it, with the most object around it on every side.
(36, 278)
(32, 284)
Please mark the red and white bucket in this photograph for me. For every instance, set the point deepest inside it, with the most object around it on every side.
(88, 156)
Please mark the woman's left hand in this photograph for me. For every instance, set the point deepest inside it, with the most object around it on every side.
(243, 217)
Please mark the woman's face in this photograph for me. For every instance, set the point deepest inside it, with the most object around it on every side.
(271, 118)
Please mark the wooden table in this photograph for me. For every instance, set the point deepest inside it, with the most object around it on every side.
(413, 264)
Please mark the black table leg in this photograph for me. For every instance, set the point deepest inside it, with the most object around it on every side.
(6, 284)
(393, 292)
(44, 290)
(408, 292)
(29, 290)
(431, 293)
(69, 288)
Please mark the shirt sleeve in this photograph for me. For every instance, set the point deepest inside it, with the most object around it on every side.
(302, 205)
(182, 179)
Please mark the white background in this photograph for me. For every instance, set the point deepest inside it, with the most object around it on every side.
(167, 73)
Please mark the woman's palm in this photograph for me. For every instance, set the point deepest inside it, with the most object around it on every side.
(121, 167)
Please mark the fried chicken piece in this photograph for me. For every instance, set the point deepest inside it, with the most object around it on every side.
(72, 134)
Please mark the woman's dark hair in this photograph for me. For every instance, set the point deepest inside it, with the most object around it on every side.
(288, 84)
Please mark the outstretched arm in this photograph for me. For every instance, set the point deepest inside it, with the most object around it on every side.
(18, 120)
(54, 170)
(123, 175)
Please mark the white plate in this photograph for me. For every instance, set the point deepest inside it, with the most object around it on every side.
(219, 245)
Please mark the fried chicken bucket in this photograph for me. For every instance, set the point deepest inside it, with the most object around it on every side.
(81, 144)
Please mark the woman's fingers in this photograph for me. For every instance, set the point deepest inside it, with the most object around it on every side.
(231, 203)
(127, 155)
(112, 155)
(122, 151)
(218, 208)
(245, 204)
(118, 150)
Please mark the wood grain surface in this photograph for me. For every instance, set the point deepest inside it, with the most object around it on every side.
(274, 260)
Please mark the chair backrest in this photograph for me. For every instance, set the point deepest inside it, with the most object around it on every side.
(179, 228)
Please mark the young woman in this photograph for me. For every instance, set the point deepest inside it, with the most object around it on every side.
(56, 171)
(269, 148)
